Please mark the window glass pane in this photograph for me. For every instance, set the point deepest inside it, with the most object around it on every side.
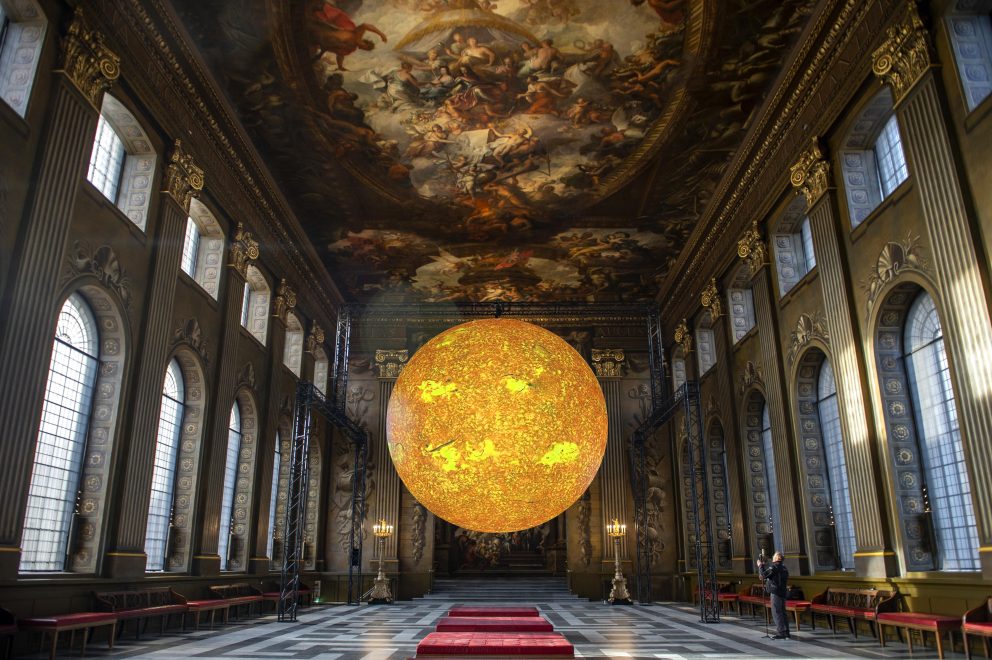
(768, 452)
(276, 463)
(164, 469)
(106, 160)
(807, 239)
(678, 373)
(940, 439)
(61, 439)
(191, 246)
(891, 162)
(230, 478)
(833, 447)
(246, 305)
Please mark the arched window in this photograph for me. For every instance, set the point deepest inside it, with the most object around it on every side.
(203, 248)
(970, 30)
(939, 437)
(833, 448)
(320, 369)
(255, 304)
(740, 301)
(720, 495)
(170, 420)
(705, 349)
(293, 350)
(872, 158)
(768, 456)
(69, 393)
(678, 370)
(273, 498)
(122, 163)
(230, 481)
(793, 245)
(22, 37)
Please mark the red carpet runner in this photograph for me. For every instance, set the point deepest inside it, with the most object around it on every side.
(481, 632)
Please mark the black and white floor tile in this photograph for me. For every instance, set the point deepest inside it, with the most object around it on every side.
(666, 631)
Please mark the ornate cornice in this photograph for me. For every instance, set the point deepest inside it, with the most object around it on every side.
(608, 362)
(390, 362)
(683, 337)
(710, 299)
(244, 250)
(811, 173)
(183, 179)
(86, 61)
(906, 54)
(808, 327)
(315, 338)
(752, 249)
(285, 301)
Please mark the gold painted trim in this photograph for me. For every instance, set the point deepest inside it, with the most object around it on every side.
(886, 553)
(9, 548)
(987, 548)
(206, 556)
(126, 554)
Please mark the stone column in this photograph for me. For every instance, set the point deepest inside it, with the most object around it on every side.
(125, 556)
(874, 556)
(735, 531)
(389, 364)
(614, 482)
(243, 250)
(905, 61)
(86, 69)
(284, 302)
(754, 250)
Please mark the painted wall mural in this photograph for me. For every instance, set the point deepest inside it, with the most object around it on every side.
(509, 149)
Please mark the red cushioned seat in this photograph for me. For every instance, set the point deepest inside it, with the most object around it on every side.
(934, 621)
(502, 644)
(727, 596)
(494, 624)
(978, 628)
(156, 610)
(67, 620)
(493, 611)
(215, 603)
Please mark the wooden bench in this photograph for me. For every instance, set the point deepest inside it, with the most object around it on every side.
(938, 624)
(852, 605)
(59, 623)
(141, 605)
(726, 595)
(756, 596)
(305, 596)
(236, 595)
(751, 596)
(977, 622)
(8, 628)
(196, 607)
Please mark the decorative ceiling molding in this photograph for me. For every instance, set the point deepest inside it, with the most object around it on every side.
(87, 61)
(608, 362)
(822, 75)
(907, 53)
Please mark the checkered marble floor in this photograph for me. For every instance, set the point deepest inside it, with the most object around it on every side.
(338, 632)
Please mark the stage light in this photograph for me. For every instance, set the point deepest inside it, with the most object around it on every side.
(497, 425)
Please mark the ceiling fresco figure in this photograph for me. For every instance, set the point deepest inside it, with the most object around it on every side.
(423, 143)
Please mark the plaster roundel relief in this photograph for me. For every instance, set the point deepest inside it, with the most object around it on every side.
(526, 107)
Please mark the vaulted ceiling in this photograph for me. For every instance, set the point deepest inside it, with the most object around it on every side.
(482, 150)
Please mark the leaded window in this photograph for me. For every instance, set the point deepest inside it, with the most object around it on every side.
(833, 447)
(164, 468)
(230, 480)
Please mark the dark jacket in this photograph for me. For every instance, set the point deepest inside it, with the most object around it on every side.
(776, 577)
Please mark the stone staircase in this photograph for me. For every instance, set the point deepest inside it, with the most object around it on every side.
(513, 589)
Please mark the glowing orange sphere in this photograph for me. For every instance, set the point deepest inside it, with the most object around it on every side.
(497, 425)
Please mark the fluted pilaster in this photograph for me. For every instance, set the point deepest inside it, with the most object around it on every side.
(31, 298)
(126, 543)
(388, 486)
(613, 473)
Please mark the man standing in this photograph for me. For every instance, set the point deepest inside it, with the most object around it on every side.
(776, 579)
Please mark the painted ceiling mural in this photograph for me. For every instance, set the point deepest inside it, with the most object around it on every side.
(496, 149)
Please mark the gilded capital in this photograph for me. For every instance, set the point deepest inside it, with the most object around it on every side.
(285, 301)
(811, 173)
(906, 54)
(683, 337)
(87, 62)
(390, 363)
(710, 298)
(315, 338)
(608, 362)
(244, 250)
(752, 249)
(183, 179)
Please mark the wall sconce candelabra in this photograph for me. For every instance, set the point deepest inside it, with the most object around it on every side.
(618, 594)
(380, 590)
